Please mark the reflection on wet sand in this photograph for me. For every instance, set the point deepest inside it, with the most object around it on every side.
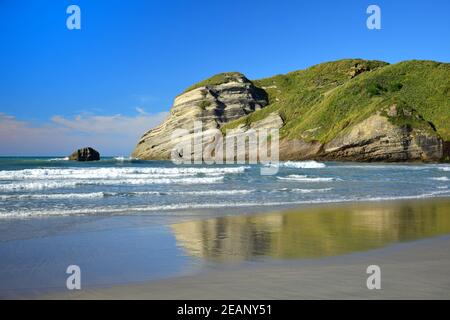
(314, 232)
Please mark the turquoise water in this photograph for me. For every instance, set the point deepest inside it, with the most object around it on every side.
(41, 187)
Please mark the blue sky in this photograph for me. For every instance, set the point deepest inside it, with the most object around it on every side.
(105, 84)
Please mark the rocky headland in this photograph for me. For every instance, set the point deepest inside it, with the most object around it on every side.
(356, 110)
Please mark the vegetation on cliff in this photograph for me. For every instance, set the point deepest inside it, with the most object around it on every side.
(319, 102)
(350, 109)
(216, 80)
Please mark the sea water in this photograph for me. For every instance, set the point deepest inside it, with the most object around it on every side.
(123, 220)
(51, 186)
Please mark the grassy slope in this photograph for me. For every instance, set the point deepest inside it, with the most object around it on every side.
(321, 101)
(215, 80)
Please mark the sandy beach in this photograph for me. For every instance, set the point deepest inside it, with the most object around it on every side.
(408, 240)
(228, 150)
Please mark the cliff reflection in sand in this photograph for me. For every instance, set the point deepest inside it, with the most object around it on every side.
(312, 233)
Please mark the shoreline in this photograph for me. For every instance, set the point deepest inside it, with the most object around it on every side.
(254, 208)
(415, 266)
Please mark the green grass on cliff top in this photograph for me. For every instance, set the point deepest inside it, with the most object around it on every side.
(324, 100)
(216, 80)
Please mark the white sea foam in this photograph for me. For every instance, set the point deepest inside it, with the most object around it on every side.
(191, 193)
(419, 196)
(136, 193)
(54, 196)
(123, 159)
(299, 190)
(195, 180)
(393, 166)
(311, 190)
(41, 185)
(300, 164)
(129, 209)
(303, 164)
(59, 159)
(113, 173)
(303, 178)
(216, 192)
(186, 206)
(441, 179)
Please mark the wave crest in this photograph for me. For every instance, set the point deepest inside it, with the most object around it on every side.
(113, 173)
(304, 178)
(300, 164)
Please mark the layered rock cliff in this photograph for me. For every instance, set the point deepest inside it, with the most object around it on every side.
(345, 110)
(213, 103)
(378, 139)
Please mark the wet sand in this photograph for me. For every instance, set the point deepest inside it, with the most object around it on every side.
(418, 270)
(308, 253)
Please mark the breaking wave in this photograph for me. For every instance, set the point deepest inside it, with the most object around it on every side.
(184, 206)
(311, 190)
(55, 196)
(441, 179)
(300, 164)
(113, 173)
(40, 185)
(303, 178)
(92, 195)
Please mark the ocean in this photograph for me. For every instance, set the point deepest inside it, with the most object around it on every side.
(48, 186)
(124, 221)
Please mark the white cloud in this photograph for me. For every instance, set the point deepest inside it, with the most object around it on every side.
(111, 135)
(141, 110)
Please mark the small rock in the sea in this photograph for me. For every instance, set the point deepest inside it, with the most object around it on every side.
(85, 154)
